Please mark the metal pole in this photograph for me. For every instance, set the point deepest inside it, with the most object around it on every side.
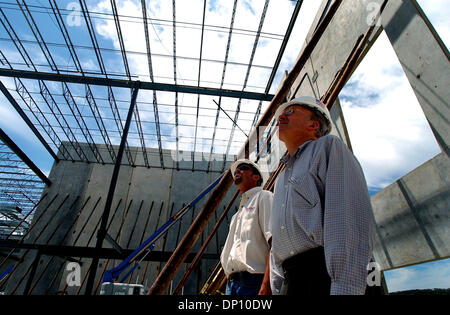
(187, 243)
(91, 80)
(102, 230)
(27, 121)
(199, 255)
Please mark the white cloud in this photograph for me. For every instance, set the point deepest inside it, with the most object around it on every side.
(15, 127)
(388, 130)
(425, 276)
(438, 12)
(297, 39)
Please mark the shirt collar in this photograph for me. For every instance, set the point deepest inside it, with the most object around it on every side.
(286, 158)
(249, 193)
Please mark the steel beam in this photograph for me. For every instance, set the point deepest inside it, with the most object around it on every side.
(103, 229)
(230, 33)
(255, 44)
(150, 72)
(284, 44)
(68, 78)
(91, 252)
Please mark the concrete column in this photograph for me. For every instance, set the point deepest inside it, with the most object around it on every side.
(425, 60)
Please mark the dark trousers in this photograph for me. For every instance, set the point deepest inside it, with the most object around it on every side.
(306, 274)
(244, 283)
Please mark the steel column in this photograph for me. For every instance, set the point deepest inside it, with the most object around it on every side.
(102, 230)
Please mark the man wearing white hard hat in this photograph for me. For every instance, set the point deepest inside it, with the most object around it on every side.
(244, 256)
(322, 222)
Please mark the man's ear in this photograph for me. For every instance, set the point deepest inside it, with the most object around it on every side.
(314, 124)
(257, 177)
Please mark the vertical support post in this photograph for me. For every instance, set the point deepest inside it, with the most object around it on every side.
(424, 59)
(102, 230)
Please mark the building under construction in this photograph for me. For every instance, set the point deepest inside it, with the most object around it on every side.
(141, 150)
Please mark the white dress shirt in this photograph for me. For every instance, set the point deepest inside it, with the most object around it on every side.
(246, 247)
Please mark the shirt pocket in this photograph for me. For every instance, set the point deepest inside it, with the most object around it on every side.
(302, 192)
(305, 206)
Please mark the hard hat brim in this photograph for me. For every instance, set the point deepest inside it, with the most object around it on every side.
(235, 164)
(310, 104)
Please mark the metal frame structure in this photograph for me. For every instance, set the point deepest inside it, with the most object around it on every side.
(21, 186)
(62, 115)
(76, 110)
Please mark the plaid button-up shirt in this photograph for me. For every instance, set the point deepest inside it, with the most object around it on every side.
(321, 199)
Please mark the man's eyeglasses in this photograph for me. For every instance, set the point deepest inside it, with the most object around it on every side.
(289, 112)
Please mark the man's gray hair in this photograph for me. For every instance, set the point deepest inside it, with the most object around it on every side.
(317, 116)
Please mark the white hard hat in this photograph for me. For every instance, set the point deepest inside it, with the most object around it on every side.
(310, 103)
(235, 164)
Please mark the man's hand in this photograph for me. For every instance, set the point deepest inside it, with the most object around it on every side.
(265, 288)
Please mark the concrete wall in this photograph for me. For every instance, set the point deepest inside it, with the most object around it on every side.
(413, 218)
(144, 199)
(330, 54)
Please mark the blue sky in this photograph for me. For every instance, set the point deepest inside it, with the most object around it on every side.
(423, 276)
(387, 147)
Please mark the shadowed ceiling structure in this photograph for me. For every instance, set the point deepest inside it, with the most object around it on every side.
(71, 82)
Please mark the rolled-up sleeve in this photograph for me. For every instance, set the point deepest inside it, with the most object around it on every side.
(347, 221)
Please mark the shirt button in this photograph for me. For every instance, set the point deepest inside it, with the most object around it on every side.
(292, 252)
(282, 205)
(283, 227)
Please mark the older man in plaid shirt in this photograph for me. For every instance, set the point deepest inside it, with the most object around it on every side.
(322, 222)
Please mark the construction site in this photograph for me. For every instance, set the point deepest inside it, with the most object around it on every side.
(142, 106)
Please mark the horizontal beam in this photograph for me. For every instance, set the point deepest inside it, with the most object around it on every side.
(92, 252)
(46, 76)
